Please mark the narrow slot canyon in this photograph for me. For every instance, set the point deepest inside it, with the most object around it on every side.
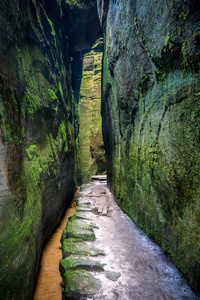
(101, 96)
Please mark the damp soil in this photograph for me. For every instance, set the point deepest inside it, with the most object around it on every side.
(49, 282)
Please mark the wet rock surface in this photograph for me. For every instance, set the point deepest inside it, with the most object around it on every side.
(80, 248)
(79, 229)
(133, 266)
(150, 116)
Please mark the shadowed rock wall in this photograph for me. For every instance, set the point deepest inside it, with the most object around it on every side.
(83, 24)
(91, 147)
(151, 129)
(37, 177)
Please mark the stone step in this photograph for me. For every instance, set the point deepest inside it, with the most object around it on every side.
(105, 211)
(93, 195)
(100, 209)
(99, 177)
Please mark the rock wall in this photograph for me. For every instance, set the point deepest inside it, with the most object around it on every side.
(37, 173)
(151, 129)
(91, 147)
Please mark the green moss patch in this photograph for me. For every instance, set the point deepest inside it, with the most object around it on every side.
(81, 4)
(83, 207)
(70, 247)
(73, 262)
(79, 229)
(79, 283)
(81, 215)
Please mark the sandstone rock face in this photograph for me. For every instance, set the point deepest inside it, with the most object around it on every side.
(151, 129)
(37, 174)
(91, 147)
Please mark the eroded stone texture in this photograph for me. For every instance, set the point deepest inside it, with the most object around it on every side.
(36, 137)
(79, 283)
(77, 228)
(74, 262)
(150, 110)
(91, 147)
(70, 247)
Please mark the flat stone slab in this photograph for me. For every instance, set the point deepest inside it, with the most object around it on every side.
(105, 211)
(78, 283)
(74, 240)
(84, 204)
(94, 225)
(70, 247)
(73, 262)
(81, 194)
(79, 229)
(112, 275)
(100, 209)
(99, 177)
(81, 215)
(93, 195)
(83, 207)
(74, 222)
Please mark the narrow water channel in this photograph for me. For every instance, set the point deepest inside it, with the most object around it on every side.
(49, 283)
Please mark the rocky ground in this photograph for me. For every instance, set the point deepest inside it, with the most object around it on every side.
(106, 256)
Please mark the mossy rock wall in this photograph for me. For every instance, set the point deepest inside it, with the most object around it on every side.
(37, 172)
(151, 129)
(91, 147)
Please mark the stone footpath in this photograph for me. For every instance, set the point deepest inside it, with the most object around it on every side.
(106, 256)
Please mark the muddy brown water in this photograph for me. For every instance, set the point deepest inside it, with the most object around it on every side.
(49, 282)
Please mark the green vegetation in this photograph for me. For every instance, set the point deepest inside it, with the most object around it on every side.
(52, 95)
(81, 4)
(63, 143)
(168, 43)
(188, 62)
(106, 72)
(91, 150)
(73, 262)
(98, 46)
(78, 281)
(51, 25)
(183, 16)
